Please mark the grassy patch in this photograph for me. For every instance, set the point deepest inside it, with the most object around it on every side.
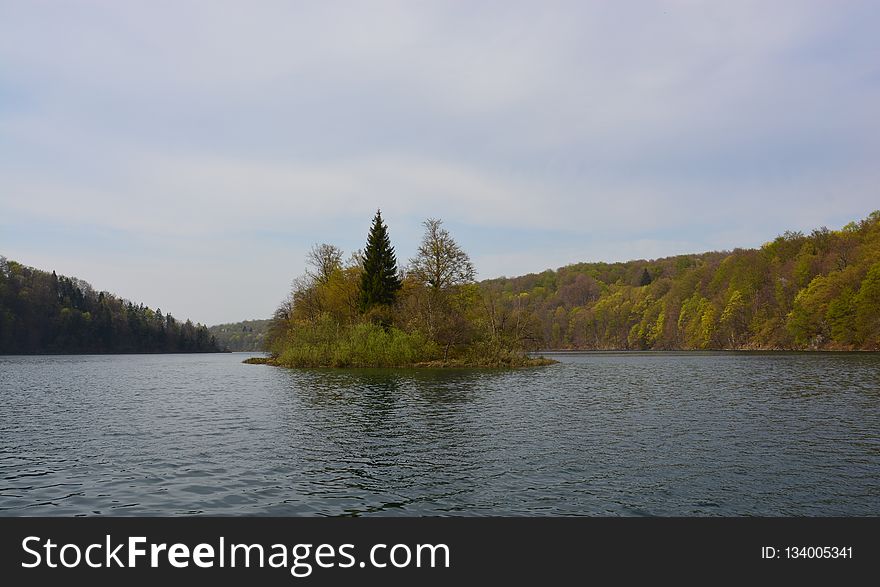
(325, 343)
(258, 361)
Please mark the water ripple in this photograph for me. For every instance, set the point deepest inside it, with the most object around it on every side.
(628, 434)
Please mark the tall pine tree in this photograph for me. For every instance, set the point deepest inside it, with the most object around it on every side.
(380, 281)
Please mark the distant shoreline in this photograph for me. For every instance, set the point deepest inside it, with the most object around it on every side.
(111, 353)
(706, 351)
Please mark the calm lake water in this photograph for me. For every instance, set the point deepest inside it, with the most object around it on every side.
(599, 434)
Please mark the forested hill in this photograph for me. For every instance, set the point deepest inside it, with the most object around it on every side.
(44, 313)
(249, 335)
(800, 291)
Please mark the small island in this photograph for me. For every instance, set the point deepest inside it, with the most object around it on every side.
(365, 312)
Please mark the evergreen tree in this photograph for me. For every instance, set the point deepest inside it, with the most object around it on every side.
(645, 279)
(380, 281)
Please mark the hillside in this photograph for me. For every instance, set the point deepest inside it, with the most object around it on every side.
(815, 291)
(42, 312)
(249, 335)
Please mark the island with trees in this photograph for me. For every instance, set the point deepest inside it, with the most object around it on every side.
(366, 312)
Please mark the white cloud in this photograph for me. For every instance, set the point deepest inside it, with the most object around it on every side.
(191, 130)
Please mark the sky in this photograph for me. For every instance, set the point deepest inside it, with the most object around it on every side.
(187, 154)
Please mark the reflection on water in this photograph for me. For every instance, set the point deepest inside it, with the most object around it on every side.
(353, 385)
(599, 434)
(402, 436)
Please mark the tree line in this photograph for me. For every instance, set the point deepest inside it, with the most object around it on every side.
(42, 312)
(249, 335)
(800, 291)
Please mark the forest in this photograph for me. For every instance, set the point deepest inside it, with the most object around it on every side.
(42, 312)
(816, 291)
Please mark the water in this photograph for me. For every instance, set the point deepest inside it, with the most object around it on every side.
(599, 434)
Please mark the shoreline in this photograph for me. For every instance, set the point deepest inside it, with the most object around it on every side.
(528, 362)
(736, 350)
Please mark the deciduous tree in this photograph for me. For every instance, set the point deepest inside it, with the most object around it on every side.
(440, 262)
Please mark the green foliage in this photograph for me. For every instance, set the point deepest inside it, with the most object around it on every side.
(380, 281)
(734, 321)
(806, 264)
(326, 343)
(841, 317)
(806, 321)
(866, 304)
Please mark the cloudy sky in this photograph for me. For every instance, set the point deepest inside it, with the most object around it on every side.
(187, 154)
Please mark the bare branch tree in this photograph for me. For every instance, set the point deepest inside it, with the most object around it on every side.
(324, 259)
(440, 263)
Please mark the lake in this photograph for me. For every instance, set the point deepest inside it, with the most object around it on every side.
(629, 434)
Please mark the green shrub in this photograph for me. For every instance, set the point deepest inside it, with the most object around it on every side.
(326, 343)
